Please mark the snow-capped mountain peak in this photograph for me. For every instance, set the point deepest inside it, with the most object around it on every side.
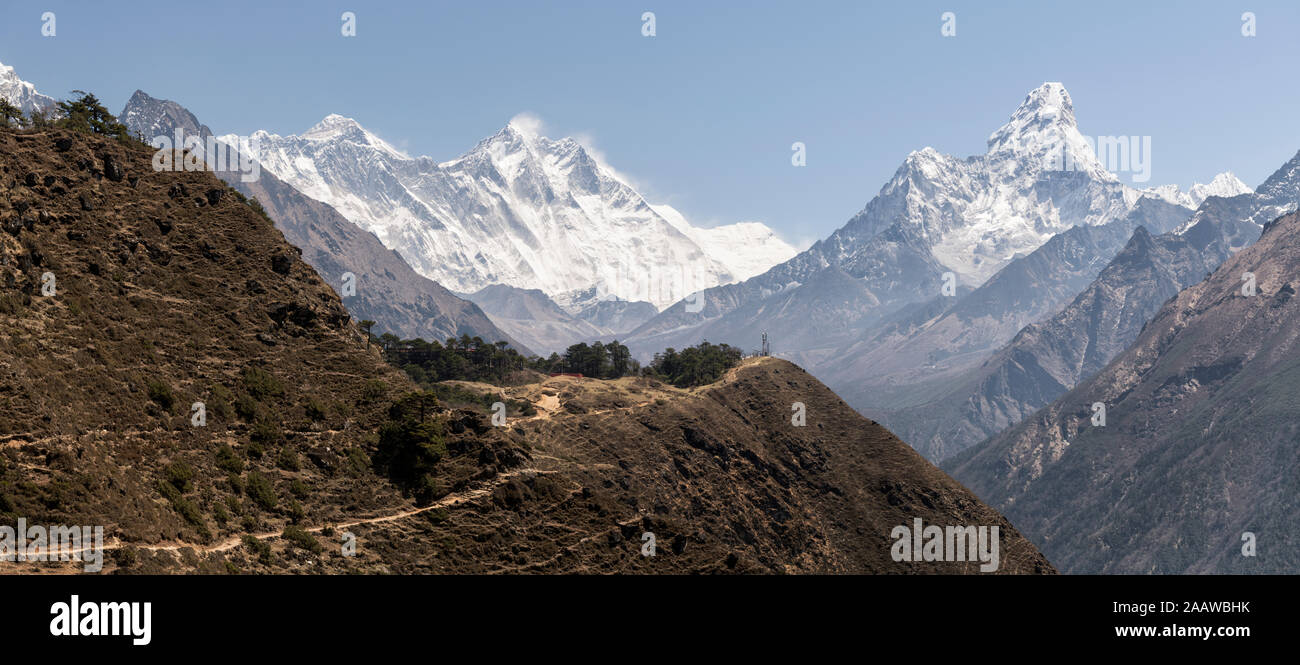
(1046, 108)
(519, 209)
(20, 93)
(920, 166)
(525, 124)
(332, 126)
(335, 127)
(1225, 185)
(977, 214)
(1044, 133)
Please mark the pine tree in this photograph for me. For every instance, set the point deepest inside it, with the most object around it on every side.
(87, 114)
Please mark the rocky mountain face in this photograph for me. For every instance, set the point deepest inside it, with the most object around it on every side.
(518, 209)
(385, 290)
(150, 117)
(904, 361)
(1196, 451)
(1049, 357)
(726, 464)
(171, 369)
(20, 93)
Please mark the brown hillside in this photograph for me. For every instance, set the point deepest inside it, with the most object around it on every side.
(170, 290)
(720, 473)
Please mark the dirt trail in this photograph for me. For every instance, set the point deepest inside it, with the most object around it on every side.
(236, 541)
(27, 439)
(30, 438)
(550, 415)
(730, 375)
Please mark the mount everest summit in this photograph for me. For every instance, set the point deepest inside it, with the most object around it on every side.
(518, 209)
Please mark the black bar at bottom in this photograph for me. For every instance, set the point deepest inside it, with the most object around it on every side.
(302, 615)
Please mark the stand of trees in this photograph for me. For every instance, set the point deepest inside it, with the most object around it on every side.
(597, 360)
(696, 365)
(463, 359)
(472, 359)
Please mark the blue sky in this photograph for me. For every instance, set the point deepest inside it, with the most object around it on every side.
(702, 115)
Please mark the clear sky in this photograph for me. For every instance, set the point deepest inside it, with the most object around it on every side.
(703, 114)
